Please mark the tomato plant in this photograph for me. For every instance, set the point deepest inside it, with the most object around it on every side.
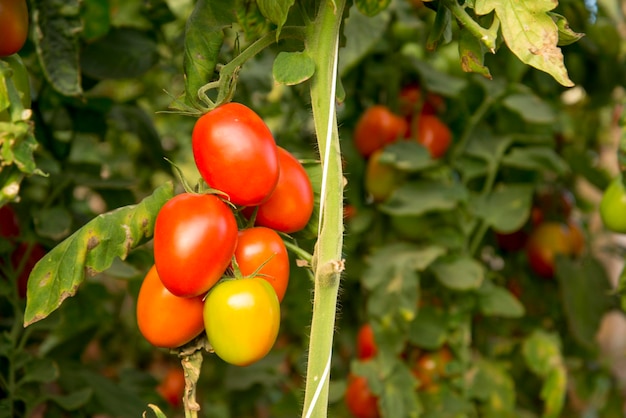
(377, 127)
(366, 345)
(242, 319)
(164, 319)
(432, 133)
(411, 97)
(261, 252)
(194, 240)
(13, 26)
(290, 205)
(613, 206)
(235, 153)
(361, 402)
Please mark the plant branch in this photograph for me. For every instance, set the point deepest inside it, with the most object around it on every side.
(486, 36)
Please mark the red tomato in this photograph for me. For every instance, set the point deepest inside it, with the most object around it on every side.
(365, 345)
(546, 241)
(23, 260)
(235, 153)
(512, 241)
(172, 387)
(290, 206)
(9, 227)
(242, 319)
(409, 98)
(194, 240)
(377, 127)
(260, 245)
(361, 402)
(166, 320)
(430, 367)
(13, 26)
(433, 134)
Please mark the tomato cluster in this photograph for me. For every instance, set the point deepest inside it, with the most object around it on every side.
(209, 275)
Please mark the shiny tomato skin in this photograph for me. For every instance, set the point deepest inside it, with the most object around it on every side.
(164, 319)
(242, 319)
(545, 242)
(260, 245)
(9, 226)
(290, 205)
(195, 236)
(359, 399)
(172, 386)
(378, 126)
(432, 133)
(366, 346)
(235, 153)
(613, 207)
(13, 26)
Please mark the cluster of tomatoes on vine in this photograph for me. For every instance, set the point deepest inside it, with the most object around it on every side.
(378, 126)
(220, 264)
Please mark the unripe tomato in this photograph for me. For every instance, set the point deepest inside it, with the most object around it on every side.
(166, 320)
(360, 400)
(242, 319)
(432, 133)
(380, 179)
(289, 207)
(544, 243)
(13, 26)
(613, 207)
(194, 240)
(365, 345)
(430, 367)
(172, 387)
(260, 246)
(235, 153)
(378, 126)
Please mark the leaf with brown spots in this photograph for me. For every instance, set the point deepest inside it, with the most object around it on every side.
(90, 250)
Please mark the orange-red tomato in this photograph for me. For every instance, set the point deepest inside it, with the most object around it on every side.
(13, 26)
(432, 133)
(409, 97)
(430, 367)
(544, 243)
(366, 346)
(166, 320)
(172, 386)
(290, 205)
(361, 402)
(260, 246)
(378, 126)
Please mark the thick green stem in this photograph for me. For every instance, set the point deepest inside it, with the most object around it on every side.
(486, 36)
(322, 44)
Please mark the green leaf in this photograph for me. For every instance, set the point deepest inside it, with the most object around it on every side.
(204, 35)
(74, 400)
(421, 196)
(251, 20)
(536, 158)
(42, 370)
(472, 54)
(371, 7)
(90, 250)
(530, 33)
(484, 145)
(397, 399)
(530, 107)
(459, 272)
(429, 328)
(442, 28)
(542, 352)
(54, 222)
(497, 301)
(439, 82)
(506, 208)
(553, 392)
(57, 28)
(293, 68)
(566, 35)
(407, 156)
(275, 11)
(96, 18)
(491, 384)
(586, 296)
(122, 53)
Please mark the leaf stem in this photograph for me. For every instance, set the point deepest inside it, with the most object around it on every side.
(486, 36)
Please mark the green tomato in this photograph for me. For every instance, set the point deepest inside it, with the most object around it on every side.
(241, 319)
(613, 207)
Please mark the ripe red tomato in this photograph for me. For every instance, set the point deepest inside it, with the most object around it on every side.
(166, 320)
(613, 207)
(512, 241)
(432, 133)
(235, 153)
(172, 386)
(380, 179)
(260, 245)
(13, 26)
(365, 345)
(290, 205)
(409, 97)
(9, 226)
(430, 367)
(194, 240)
(546, 241)
(377, 127)
(361, 402)
(23, 260)
(242, 319)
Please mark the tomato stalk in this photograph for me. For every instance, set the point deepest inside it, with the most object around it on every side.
(486, 36)
(322, 43)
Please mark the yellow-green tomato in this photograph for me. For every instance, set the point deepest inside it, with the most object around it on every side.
(613, 206)
(241, 319)
(380, 179)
